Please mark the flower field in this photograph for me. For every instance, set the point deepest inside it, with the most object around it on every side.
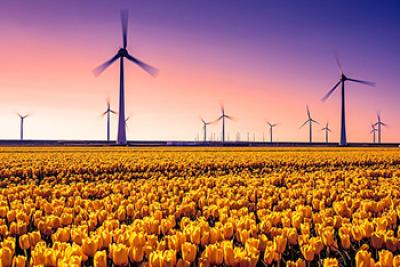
(199, 207)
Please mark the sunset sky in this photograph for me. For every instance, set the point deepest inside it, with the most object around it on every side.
(264, 59)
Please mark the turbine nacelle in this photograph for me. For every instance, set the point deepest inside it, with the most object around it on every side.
(122, 52)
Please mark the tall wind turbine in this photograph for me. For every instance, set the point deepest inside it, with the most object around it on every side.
(205, 124)
(327, 130)
(310, 121)
(222, 117)
(21, 127)
(108, 113)
(121, 54)
(373, 132)
(343, 79)
(379, 124)
(271, 125)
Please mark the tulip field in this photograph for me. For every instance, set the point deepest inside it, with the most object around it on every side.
(82, 206)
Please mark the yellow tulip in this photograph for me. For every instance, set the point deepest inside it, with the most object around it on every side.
(386, 258)
(328, 236)
(396, 261)
(182, 263)
(136, 254)
(364, 259)
(189, 252)
(156, 259)
(89, 246)
(119, 254)
(228, 253)
(19, 261)
(6, 256)
(100, 259)
(169, 258)
(329, 262)
(292, 236)
(377, 239)
(308, 252)
(195, 235)
(345, 241)
(356, 233)
(280, 244)
(228, 230)
(24, 242)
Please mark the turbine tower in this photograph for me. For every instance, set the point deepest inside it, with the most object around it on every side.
(121, 55)
(310, 121)
(22, 118)
(222, 117)
(271, 125)
(327, 130)
(379, 124)
(343, 79)
(108, 113)
(373, 132)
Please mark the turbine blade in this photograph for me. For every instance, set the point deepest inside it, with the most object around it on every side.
(149, 69)
(304, 123)
(113, 112)
(124, 24)
(314, 121)
(231, 118)
(363, 82)
(217, 120)
(308, 112)
(330, 91)
(338, 62)
(97, 71)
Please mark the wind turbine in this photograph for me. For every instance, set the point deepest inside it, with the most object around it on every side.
(373, 132)
(271, 125)
(126, 121)
(205, 124)
(121, 54)
(310, 121)
(343, 79)
(379, 124)
(108, 112)
(222, 117)
(327, 130)
(22, 118)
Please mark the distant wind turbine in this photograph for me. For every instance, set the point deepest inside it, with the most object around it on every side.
(310, 121)
(343, 78)
(379, 124)
(22, 118)
(271, 125)
(126, 121)
(222, 117)
(327, 130)
(121, 54)
(108, 112)
(373, 132)
(205, 124)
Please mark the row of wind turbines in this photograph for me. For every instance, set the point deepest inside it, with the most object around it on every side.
(376, 127)
(123, 54)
